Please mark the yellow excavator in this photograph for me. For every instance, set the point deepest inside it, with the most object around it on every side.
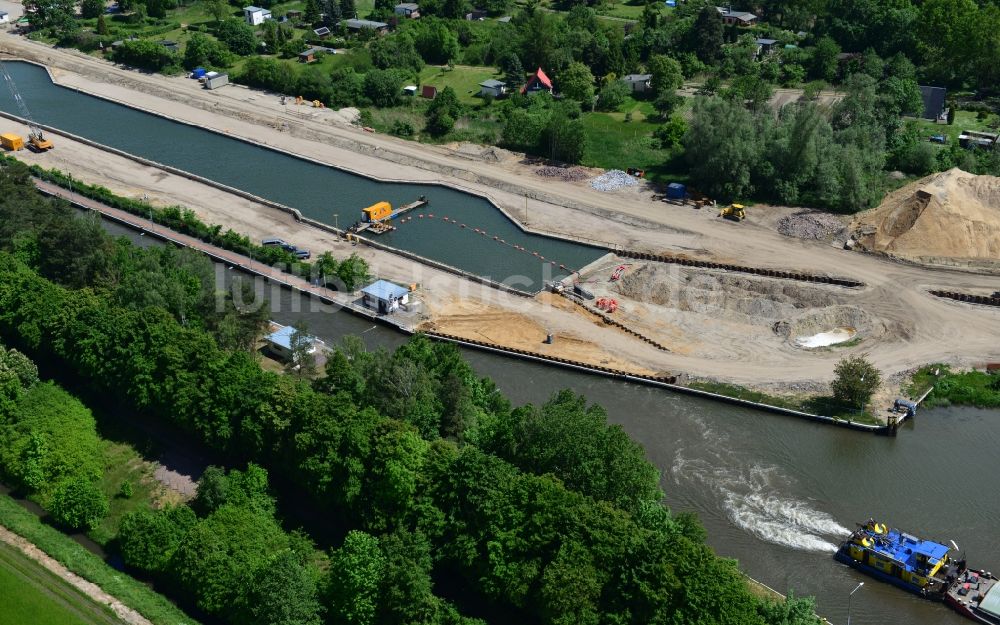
(36, 140)
(736, 212)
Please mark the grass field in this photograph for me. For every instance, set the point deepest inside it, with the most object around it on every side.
(31, 594)
(964, 120)
(463, 79)
(613, 143)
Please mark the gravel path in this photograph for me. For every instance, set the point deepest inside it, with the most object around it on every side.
(90, 589)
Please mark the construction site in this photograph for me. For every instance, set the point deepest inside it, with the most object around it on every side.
(768, 299)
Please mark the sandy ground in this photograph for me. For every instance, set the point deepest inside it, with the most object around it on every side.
(90, 589)
(740, 330)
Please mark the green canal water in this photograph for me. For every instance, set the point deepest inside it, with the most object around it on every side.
(316, 190)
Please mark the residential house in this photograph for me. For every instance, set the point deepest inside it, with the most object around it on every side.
(765, 46)
(308, 56)
(409, 10)
(638, 83)
(736, 18)
(279, 343)
(492, 87)
(934, 103)
(538, 82)
(322, 32)
(356, 26)
(255, 16)
(974, 139)
(384, 296)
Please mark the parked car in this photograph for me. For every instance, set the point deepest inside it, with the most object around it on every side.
(274, 242)
(303, 254)
(939, 139)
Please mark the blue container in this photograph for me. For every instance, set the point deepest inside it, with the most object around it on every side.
(676, 191)
(199, 72)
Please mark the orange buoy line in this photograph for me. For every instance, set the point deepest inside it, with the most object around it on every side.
(484, 233)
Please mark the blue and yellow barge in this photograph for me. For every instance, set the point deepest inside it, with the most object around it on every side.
(923, 567)
(901, 559)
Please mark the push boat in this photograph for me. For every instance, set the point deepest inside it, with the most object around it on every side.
(922, 567)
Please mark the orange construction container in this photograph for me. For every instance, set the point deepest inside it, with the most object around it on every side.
(377, 212)
(11, 142)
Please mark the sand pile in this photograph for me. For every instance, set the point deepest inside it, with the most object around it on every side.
(952, 214)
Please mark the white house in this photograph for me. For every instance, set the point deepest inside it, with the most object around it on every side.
(384, 296)
(638, 83)
(255, 16)
(492, 87)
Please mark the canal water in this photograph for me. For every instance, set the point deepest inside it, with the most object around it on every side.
(316, 190)
(774, 492)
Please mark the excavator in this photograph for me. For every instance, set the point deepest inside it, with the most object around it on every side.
(736, 212)
(36, 140)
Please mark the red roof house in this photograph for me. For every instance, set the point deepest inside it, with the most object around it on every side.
(538, 82)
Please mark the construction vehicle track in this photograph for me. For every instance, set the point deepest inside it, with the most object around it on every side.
(769, 273)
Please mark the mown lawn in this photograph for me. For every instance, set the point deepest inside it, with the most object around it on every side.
(464, 79)
(614, 143)
(964, 120)
(31, 594)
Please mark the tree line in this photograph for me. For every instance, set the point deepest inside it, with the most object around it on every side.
(452, 506)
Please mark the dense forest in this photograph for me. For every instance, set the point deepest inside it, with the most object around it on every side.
(446, 504)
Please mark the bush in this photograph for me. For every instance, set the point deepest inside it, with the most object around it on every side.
(612, 95)
(78, 503)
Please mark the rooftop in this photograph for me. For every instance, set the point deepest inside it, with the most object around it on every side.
(384, 290)
(637, 77)
(744, 16)
(492, 83)
(911, 552)
(412, 6)
(283, 337)
(359, 24)
(767, 42)
(253, 9)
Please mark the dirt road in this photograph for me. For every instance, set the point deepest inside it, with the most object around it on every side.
(88, 589)
(910, 326)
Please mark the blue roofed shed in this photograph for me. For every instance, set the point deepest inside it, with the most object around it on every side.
(279, 343)
(384, 296)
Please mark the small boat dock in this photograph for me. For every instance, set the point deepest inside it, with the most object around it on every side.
(377, 217)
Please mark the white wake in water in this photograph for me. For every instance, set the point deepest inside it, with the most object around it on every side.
(752, 496)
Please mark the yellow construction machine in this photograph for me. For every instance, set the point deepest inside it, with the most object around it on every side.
(736, 212)
(36, 140)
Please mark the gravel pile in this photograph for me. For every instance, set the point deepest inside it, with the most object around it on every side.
(817, 226)
(613, 180)
(569, 174)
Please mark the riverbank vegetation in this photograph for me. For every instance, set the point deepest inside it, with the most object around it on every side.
(960, 388)
(828, 150)
(441, 503)
(347, 274)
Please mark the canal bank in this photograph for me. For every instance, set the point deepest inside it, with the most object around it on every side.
(712, 344)
(775, 493)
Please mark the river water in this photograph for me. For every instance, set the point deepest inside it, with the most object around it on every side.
(774, 492)
(316, 190)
